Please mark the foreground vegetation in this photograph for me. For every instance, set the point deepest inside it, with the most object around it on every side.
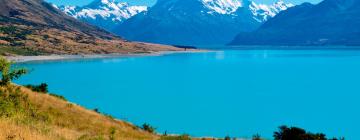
(31, 112)
(25, 114)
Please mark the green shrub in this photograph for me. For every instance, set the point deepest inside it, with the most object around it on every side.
(43, 87)
(295, 133)
(96, 110)
(148, 128)
(14, 104)
(7, 73)
(10, 104)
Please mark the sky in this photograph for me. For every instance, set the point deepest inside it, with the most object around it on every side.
(152, 2)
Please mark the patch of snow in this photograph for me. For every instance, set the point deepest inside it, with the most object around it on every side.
(261, 12)
(55, 6)
(222, 6)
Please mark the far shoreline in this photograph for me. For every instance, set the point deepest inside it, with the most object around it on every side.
(56, 57)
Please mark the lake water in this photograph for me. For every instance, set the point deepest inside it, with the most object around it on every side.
(232, 92)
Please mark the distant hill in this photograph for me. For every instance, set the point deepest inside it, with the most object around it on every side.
(33, 27)
(331, 22)
(106, 14)
(197, 22)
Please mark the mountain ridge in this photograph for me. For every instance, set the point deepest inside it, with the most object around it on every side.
(196, 22)
(42, 13)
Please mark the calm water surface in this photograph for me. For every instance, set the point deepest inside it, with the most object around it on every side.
(236, 93)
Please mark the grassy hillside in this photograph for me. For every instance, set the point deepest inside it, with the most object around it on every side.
(25, 114)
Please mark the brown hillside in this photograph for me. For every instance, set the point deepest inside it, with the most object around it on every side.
(42, 14)
(34, 27)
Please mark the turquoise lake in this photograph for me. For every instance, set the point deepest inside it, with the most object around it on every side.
(233, 92)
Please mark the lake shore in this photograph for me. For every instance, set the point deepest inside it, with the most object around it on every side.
(23, 59)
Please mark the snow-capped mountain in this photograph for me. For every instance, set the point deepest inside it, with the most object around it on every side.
(103, 13)
(197, 22)
(331, 22)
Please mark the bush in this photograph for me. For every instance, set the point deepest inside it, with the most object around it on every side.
(7, 73)
(294, 133)
(43, 87)
(148, 128)
(96, 110)
(14, 104)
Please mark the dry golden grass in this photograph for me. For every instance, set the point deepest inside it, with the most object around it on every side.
(66, 121)
(11, 131)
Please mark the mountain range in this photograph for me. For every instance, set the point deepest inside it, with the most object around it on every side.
(179, 22)
(197, 22)
(331, 22)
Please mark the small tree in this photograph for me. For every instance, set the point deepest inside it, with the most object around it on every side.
(294, 133)
(8, 74)
(148, 128)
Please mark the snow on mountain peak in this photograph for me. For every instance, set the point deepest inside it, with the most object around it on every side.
(281, 5)
(263, 12)
(222, 6)
(105, 1)
(105, 9)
